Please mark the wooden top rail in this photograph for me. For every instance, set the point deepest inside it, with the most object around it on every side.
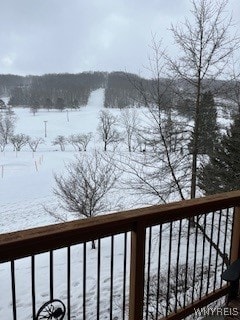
(33, 241)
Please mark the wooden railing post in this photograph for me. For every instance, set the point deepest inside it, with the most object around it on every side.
(137, 267)
(235, 250)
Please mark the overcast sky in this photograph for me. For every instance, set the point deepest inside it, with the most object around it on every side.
(46, 36)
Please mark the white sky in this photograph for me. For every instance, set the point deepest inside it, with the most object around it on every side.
(45, 36)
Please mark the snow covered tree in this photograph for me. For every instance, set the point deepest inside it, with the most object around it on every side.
(7, 124)
(19, 140)
(61, 141)
(34, 143)
(222, 173)
(80, 141)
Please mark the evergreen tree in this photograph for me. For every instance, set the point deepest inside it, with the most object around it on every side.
(48, 103)
(60, 104)
(222, 173)
(2, 104)
(208, 128)
(35, 107)
(19, 97)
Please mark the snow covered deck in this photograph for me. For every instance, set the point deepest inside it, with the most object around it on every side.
(149, 263)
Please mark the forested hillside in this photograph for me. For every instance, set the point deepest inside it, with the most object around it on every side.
(58, 91)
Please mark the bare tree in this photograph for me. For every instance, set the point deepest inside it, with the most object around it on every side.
(19, 140)
(232, 87)
(205, 45)
(7, 124)
(83, 190)
(163, 171)
(2, 144)
(130, 122)
(61, 141)
(106, 128)
(80, 141)
(34, 143)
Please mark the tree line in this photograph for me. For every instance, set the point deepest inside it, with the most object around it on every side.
(59, 91)
(56, 90)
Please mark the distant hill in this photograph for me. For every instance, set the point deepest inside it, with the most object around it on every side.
(73, 90)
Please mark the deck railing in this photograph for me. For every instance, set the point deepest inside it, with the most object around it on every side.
(150, 263)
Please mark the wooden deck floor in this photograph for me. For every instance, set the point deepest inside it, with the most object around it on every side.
(234, 305)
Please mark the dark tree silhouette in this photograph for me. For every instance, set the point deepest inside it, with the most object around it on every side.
(222, 173)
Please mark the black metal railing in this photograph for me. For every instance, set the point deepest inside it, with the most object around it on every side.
(191, 256)
(149, 263)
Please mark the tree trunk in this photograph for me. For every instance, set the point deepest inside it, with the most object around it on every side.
(195, 138)
(93, 244)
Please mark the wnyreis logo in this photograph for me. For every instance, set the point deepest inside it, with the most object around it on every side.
(211, 312)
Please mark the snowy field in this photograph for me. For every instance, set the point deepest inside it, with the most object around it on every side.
(26, 180)
(27, 177)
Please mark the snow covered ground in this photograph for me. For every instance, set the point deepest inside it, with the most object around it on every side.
(26, 186)
(27, 178)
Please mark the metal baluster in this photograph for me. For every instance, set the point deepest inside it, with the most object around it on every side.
(177, 267)
(186, 268)
(98, 278)
(169, 268)
(33, 286)
(51, 274)
(14, 307)
(69, 282)
(210, 253)
(203, 254)
(224, 243)
(218, 240)
(84, 279)
(111, 279)
(124, 275)
(195, 258)
(159, 269)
